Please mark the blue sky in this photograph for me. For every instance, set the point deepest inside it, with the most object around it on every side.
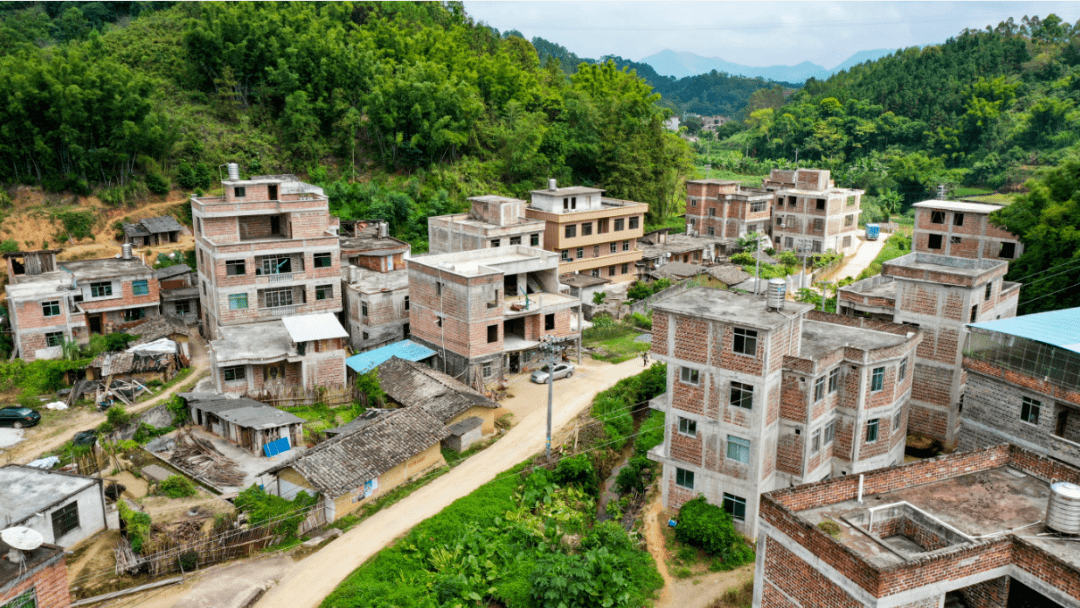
(752, 33)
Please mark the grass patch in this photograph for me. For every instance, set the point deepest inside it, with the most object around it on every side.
(896, 246)
(614, 343)
(739, 597)
(971, 191)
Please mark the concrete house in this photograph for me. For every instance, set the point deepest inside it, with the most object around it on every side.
(41, 579)
(962, 230)
(726, 210)
(807, 208)
(659, 248)
(493, 221)
(352, 468)
(462, 307)
(179, 292)
(759, 398)
(939, 295)
(592, 234)
(63, 507)
(153, 231)
(412, 384)
(1023, 384)
(51, 301)
(374, 284)
(245, 422)
(967, 529)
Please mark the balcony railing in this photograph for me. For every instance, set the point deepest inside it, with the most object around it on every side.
(277, 312)
(284, 277)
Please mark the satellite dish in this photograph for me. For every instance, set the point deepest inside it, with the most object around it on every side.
(20, 539)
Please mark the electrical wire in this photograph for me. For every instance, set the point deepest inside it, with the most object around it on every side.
(1046, 295)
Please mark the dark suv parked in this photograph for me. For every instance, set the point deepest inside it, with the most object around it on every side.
(18, 417)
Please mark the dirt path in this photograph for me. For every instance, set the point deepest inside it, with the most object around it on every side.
(654, 539)
(853, 265)
(42, 439)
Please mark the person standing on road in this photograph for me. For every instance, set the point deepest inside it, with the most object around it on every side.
(645, 359)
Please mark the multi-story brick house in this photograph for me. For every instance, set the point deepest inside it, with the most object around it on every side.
(374, 284)
(726, 210)
(268, 250)
(461, 306)
(760, 399)
(39, 579)
(807, 208)
(966, 529)
(940, 295)
(493, 221)
(1023, 384)
(51, 301)
(962, 230)
(592, 234)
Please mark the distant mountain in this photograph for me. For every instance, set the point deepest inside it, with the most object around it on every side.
(683, 64)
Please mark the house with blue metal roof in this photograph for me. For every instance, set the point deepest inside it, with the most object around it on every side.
(405, 349)
(1024, 384)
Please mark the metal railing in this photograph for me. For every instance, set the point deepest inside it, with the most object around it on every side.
(1037, 359)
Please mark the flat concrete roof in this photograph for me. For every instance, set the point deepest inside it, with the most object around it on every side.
(798, 192)
(942, 263)
(495, 198)
(677, 243)
(486, 261)
(25, 491)
(247, 413)
(567, 191)
(885, 287)
(820, 338)
(268, 341)
(719, 182)
(370, 281)
(729, 307)
(466, 219)
(983, 208)
(41, 285)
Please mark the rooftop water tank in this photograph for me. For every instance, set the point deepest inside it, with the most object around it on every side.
(126, 249)
(774, 296)
(234, 172)
(1063, 510)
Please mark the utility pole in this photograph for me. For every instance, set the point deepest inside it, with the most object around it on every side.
(796, 156)
(549, 345)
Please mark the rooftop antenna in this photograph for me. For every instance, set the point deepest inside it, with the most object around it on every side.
(942, 191)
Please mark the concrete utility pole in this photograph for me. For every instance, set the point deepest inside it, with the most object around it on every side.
(549, 345)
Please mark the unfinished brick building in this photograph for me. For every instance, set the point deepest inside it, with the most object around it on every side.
(962, 230)
(593, 234)
(51, 301)
(940, 295)
(807, 207)
(374, 284)
(967, 529)
(726, 210)
(493, 221)
(460, 307)
(760, 399)
(38, 579)
(1023, 384)
(266, 250)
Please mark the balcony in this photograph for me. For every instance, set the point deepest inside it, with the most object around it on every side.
(284, 277)
(534, 303)
(277, 312)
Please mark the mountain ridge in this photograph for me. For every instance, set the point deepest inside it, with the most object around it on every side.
(681, 64)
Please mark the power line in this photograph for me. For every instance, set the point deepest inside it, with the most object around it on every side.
(1035, 274)
(1045, 295)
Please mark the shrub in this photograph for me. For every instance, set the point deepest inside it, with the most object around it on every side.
(742, 259)
(145, 432)
(136, 526)
(636, 475)
(598, 297)
(176, 486)
(188, 561)
(157, 183)
(284, 515)
(77, 224)
(709, 528)
(639, 320)
(185, 176)
(831, 528)
(179, 409)
(9, 246)
(578, 471)
(117, 416)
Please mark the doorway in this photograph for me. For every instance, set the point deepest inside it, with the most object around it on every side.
(272, 192)
(94, 323)
(515, 363)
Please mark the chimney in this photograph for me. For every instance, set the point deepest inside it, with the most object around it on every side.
(551, 184)
(126, 249)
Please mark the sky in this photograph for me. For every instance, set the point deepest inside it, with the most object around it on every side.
(752, 33)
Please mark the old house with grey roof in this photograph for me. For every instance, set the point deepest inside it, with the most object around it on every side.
(246, 422)
(353, 468)
(153, 231)
(179, 292)
(416, 385)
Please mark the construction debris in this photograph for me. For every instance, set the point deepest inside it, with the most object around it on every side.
(201, 459)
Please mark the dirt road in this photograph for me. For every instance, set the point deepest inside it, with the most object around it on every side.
(868, 250)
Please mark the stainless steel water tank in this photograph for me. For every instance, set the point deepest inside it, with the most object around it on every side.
(1063, 510)
(774, 297)
(234, 172)
(126, 251)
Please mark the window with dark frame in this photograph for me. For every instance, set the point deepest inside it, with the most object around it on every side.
(634, 222)
(614, 247)
(101, 290)
(819, 389)
(134, 314)
(1029, 410)
(322, 260)
(1007, 251)
(820, 204)
(989, 290)
(54, 338)
(684, 478)
(815, 442)
(937, 217)
(493, 334)
(235, 268)
(744, 341)
(620, 224)
(234, 373)
(687, 427)
(183, 307)
(877, 379)
(933, 241)
(549, 322)
(955, 240)
(741, 395)
(738, 449)
(50, 308)
(735, 506)
(974, 313)
(276, 298)
(580, 252)
(688, 375)
(515, 240)
(240, 192)
(626, 245)
(586, 229)
(897, 419)
(406, 302)
(902, 373)
(534, 240)
(830, 432)
(65, 519)
(712, 211)
(834, 380)
(570, 231)
(238, 301)
(324, 292)
(872, 430)
(140, 288)
(958, 219)
(566, 255)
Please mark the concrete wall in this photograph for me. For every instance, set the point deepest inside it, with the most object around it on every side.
(91, 517)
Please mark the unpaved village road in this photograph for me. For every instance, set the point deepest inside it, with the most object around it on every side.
(311, 580)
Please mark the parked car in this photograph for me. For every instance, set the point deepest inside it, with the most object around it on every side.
(18, 417)
(562, 370)
(85, 437)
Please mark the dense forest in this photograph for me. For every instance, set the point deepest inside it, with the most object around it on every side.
(400, 109)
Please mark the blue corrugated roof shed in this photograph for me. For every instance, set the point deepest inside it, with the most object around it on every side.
(406, 349)
(1059, 328)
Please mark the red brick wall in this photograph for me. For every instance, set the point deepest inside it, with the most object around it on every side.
(685, 449)
(993, 593)
(789, 451)
(690, 337)
(800, 581)
(660, 333)
(687, 397)
(51, 585)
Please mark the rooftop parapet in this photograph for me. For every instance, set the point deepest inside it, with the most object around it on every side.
(944, 269)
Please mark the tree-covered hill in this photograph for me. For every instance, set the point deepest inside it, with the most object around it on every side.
(401, 109)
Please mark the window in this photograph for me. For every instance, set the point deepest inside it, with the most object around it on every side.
(27, 599)
(735, 506)
(234, 373)
(240, 192)
(496, 242)
(815, 442)
(573, 202)
(896, 420)
(54, 338)
(580, 252)
(134, 314)
(364, 336)
(626, 245)
(877, 379)
(933, 241)
(902, 373)
(989, 290)
(819, 225)
(693, 202)
(595, 272)
(198, 226)
(820, 204)
(515, 240)
(620, 223)
(566, 204)
(406, 302)
(684, 478)
(534, 240)
(51, 308)
(830, 432)
(687, 427)
(738, 449)
(937, 217)
(549, 322)
(100, 290)
(712, 211)
(235, 268)
(872, 430)
(323, 260)
(277, 264)
(688, 375)
(586, 229)
(238, 301)
(711, 231)
(757, 206)
(1007, 251)
(65, 519)
(849, 220)
(625, 268)
(834, 380)
(788, 242)
(487, 370)
(493, 334)
(278, 297)
(819, 389)
(974, 313)
(438, 288)
(363, 308)
(614, 247)
(741, 395)
(183, 307)
(614, 270)
(1029, 410)
(438, 321)
(955, 240)
(634, 222)
(566, 255)
(570, 231)
(958, 219)
(140, 288)
(846, 242)
(744, 341)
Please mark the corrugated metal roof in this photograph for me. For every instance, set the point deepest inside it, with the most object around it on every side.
(318, 326)
(406, 349)
(1060, 328)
